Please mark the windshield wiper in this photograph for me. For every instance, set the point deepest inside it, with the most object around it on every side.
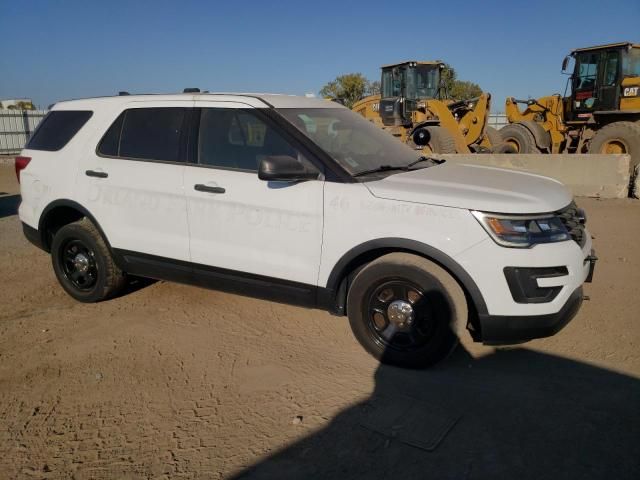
(405, 168)
(435, 161)
(381, 168)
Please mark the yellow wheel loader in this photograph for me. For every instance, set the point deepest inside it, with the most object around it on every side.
(601, 114)
(413, 107)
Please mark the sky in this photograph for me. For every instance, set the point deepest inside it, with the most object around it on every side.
(57, 50)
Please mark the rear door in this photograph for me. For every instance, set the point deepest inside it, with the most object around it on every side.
(238, 222)
(132, 181)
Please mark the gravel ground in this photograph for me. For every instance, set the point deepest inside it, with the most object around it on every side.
(173, 381)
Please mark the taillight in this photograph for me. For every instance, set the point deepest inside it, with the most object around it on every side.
(21, 164)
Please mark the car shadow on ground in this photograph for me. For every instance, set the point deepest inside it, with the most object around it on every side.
(134, 284)
(9, 205)
(510, 414)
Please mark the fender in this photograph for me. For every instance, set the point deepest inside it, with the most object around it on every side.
(63, 202)
(542, 137)
(374, 248)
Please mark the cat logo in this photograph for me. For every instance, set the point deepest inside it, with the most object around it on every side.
(630, 92)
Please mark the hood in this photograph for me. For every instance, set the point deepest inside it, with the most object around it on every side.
(475, 187)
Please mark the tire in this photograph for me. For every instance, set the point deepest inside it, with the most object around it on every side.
(618, 137)
(438, 139)
(519, 137)
(83, 263)
(436, 302)
(498, 145)
(494, 136)
(503, 148)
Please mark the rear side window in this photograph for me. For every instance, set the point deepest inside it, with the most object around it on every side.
(147, 134)
(57, 129)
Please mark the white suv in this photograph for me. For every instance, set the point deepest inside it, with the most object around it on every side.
(302, 201)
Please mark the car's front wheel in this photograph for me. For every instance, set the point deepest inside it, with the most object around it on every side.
(405, 310)
(83, 263)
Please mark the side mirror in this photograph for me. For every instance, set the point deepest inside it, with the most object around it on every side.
(565, 63)
(283, 168)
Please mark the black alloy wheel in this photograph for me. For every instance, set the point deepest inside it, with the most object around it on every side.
(78, 263)
(399, 316)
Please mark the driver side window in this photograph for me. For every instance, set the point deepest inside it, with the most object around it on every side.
(238, 139)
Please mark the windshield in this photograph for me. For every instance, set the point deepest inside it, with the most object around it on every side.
(353, 142)
(422, 82)
(419, 81)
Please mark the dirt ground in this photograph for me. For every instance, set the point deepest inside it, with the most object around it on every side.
(173, 381)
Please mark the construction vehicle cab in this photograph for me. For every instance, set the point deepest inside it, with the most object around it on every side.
(403, 86)
(413, 106)
(605, 80)
(600, 114)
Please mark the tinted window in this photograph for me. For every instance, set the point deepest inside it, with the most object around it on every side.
(238, 139)
(110, 144)
(57, 128)
(148, 133)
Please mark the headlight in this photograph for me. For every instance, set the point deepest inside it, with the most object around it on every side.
(522, 231)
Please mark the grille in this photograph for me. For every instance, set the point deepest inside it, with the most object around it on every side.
(571, 219)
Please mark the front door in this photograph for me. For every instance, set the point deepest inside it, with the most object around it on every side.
(243, 226)
(585, 84)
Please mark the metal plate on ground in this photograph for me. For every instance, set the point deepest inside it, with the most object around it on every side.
(408, 420)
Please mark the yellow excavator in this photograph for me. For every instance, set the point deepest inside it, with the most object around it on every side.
(601, 114)
(413, 106)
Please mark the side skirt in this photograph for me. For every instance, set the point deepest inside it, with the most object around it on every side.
(232, 281)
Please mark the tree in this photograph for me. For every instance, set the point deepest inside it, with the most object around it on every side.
(348, 89)
(373, 88)
(458, 89)
(21, 105)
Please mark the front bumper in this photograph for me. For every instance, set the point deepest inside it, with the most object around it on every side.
(505, 329)
(510, 329)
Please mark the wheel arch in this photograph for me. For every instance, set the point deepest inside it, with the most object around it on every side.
(62, 212)
(360, 255)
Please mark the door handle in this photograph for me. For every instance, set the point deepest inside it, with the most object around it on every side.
(95, 173)
(205, 188)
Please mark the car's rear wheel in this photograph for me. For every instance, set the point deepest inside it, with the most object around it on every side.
(83, 263)
(406, 310)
